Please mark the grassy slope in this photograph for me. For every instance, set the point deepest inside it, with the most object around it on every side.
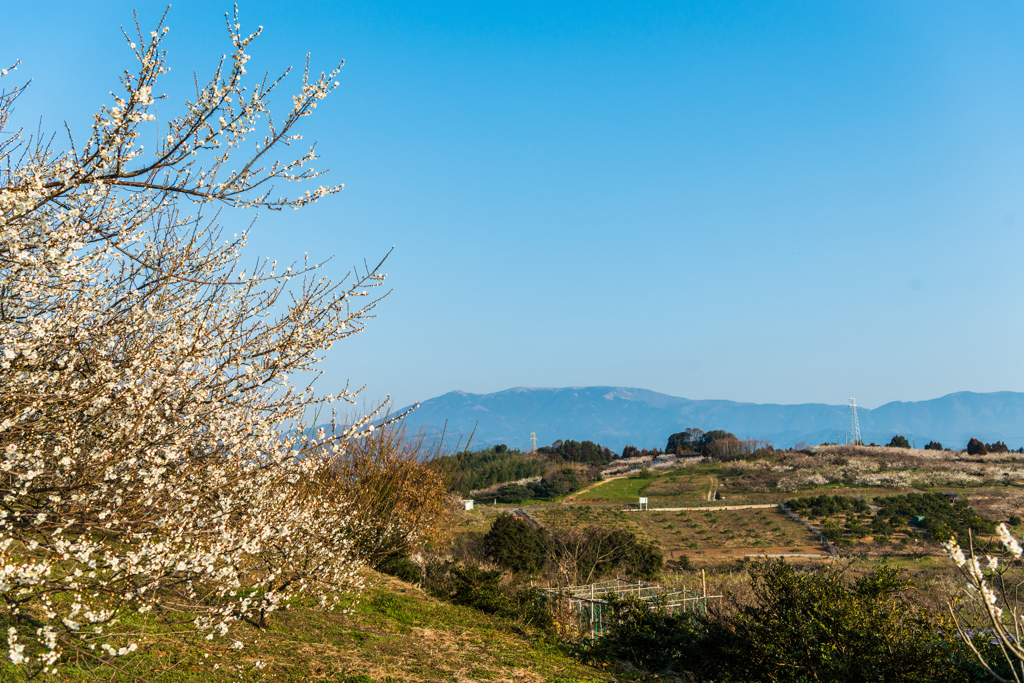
(395, 633)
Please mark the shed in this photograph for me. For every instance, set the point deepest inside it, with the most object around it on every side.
(468, 504)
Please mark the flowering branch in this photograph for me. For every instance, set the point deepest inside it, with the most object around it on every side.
(980, 579)
(154, 454)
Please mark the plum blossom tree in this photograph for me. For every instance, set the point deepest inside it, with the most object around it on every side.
(155, 456)
(988, 585)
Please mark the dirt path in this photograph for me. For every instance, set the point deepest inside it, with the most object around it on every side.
(713, 487)
(812, 552)
(711, 507)
(524, 514)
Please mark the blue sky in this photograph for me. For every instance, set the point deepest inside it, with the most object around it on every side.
(772, 202)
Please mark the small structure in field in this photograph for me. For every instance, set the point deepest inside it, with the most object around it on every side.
(584, 610)
(468, 504)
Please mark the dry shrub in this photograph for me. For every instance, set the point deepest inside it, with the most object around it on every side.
(398, 495)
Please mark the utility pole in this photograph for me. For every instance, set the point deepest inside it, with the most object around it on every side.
(533, 442)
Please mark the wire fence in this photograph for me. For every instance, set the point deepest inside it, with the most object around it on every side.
(585, 610)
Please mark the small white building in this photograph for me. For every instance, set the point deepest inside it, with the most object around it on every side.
(468, 504)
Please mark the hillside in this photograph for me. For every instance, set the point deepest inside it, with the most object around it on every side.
(616, 417)
(395, 633)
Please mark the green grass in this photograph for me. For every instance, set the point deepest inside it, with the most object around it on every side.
(619, 490)
(394, 633)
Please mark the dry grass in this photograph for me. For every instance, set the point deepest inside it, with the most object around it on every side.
(395, 633)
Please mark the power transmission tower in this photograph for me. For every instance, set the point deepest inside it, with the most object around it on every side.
(854, 424)
(533, 442)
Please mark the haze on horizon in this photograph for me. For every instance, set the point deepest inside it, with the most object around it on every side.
(764, 202)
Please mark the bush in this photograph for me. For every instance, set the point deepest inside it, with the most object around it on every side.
(588, 555)
(398, 491)
(943, 517)
(933, 446)
(562, 480)
(515, 545)
(824, 506)
(487, 591)
(512, 494)
(648, 636)
(899, 442)
(975, 447)
(816, 626)
(799, 628)
(880, 527)
(400, 567)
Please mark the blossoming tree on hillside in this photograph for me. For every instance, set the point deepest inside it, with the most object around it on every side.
(155, 456)
(989, 585)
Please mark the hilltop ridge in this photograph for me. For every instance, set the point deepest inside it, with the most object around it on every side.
(620, 416)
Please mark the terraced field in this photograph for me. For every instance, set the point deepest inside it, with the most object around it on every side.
(993, 486)
(698, 534)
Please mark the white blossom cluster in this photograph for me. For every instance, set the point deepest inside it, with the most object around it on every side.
(154, 454)
(985, 581)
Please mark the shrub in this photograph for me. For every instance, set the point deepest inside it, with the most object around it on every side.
(933, 446)
(899, 442)
(881, 527)
(800, 627)
(942, 516)
(488, 591)
(816, 626)
(513, 494)
(397, 491)
(562, 480)
(401, 567)
(823, 506)
(588, 555)
(650, 637)
(515, 545)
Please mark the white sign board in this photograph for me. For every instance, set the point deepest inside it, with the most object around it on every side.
(643, 500)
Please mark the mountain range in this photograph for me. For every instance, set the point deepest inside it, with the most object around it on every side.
(617, 416)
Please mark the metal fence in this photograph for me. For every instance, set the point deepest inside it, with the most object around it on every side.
(584, 610)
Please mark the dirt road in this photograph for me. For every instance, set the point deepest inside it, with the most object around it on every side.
(711, 507)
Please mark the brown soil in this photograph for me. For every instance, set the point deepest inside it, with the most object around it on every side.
(757, 551)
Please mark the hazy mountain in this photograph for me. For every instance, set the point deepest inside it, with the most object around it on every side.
(616, 417)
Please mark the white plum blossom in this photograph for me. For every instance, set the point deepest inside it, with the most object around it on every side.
(152, 449)
(982, 583)
(952, 549)
(1008, 541)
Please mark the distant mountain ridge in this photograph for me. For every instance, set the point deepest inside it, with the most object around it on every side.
(619, 416)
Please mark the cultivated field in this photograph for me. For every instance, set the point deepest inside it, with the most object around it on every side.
(993, 486)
